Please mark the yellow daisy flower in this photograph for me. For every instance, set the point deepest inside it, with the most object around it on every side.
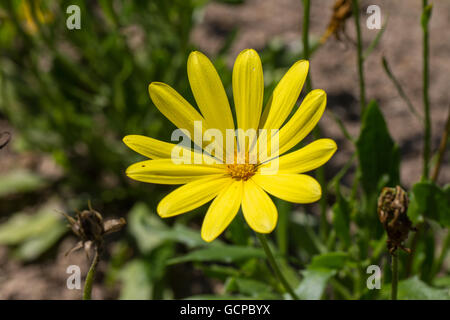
(241, 183)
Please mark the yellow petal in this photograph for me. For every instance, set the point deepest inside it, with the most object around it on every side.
(157, 149)
(307, 158)
(297, 188)
(174, 107)
(258, 209)
(222, 211)
(209, 92)
(298, 126)
(248, 89)
(149, 147)
(192, 195)
(303, 121)
(164, 171)
(285, 96)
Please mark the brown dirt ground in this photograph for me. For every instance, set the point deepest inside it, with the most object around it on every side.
(333, 68)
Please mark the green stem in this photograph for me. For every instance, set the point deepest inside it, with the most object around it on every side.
(273, 264)
(394, 277)
(90, 276)
(305, 38)
(316, 132)
(426, 99)
(362, 87)
(442, 148)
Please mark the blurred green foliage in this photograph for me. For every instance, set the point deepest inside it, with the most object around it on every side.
(74, 94)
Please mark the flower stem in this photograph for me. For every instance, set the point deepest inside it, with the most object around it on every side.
(273, 264)
(394, 277)
(90, 276)
(442, 148)
(305, 38)
(362, 86)
(317, 132)
(426, 98)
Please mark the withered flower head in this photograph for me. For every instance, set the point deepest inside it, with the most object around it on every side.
(392, 208)
(89, 226)
(342, 10)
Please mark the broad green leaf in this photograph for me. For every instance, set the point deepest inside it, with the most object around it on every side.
(20, 181)
(330, 261)
(378, 154)
(314, 283)
(142, 225)
(318, 272)
(150, 231)
(226, 254)
(23, 226)
(442, 282)
(219, 271)
(250, 287)
(415, 289)
(427, 200)
(32, 248)
(33, 234)
(136, 284)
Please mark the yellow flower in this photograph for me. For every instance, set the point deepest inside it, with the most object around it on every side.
(241, 182)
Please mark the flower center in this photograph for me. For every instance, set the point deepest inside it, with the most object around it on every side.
(242, 171)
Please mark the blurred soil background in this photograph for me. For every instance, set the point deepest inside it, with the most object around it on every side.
(333, 68)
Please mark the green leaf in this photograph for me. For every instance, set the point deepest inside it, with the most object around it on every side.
(319, 271)
(142, 225)
(415, 289)
(150, 231)
(378, 154)
(220, 253)
(33, 234)
(136, 284)
(341, 217)
(427, 200)
(20, 181)
(313, 284)
(250, 287)
(32, 248)
(330, 261)
(23, 226)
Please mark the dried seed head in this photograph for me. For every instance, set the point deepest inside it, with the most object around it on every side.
(89, 226)
(392, 208)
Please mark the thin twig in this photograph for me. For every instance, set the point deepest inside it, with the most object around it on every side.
(399, 88)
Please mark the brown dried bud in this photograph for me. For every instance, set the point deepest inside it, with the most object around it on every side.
(392, 208)
(89, 226)
(342, 10)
